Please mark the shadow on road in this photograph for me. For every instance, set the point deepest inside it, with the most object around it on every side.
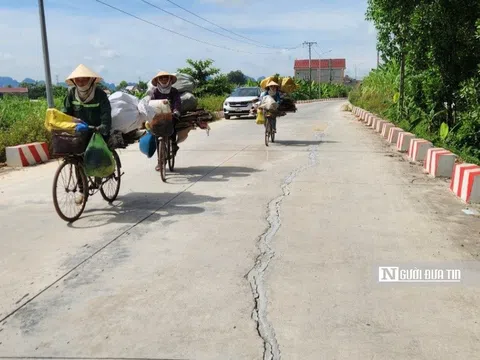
(209, 174)
(134, 207)
(305, 142)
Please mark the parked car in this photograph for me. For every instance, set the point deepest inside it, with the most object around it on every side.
(241, 101)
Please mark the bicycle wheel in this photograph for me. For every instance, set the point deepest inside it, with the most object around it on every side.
(72, 181)
(162, 159)
(267, 131)
(171, 155)
(111, 185)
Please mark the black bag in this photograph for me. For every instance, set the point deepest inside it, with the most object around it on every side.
(64, 143)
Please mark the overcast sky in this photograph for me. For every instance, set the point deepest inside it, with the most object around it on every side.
(121, 47)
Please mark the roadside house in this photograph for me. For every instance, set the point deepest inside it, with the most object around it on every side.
(323, 70)
(13, 91)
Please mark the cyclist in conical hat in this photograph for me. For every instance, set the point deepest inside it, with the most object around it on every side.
(86, 101)
(163, 90)
(272, 89)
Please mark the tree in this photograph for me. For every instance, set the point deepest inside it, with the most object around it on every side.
(142, 86)
(200, 70)
(237, 77)
(123, 84)
(392, 21)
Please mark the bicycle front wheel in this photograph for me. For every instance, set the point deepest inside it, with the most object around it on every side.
(267, 131)
(162, 158)
(111, 185)
(70, 191)
(171, 155)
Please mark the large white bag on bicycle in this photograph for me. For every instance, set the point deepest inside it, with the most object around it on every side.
(125, 114)
(269, 103)
(160, 106)
(146, 111)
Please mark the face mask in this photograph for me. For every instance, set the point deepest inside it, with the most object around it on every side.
(272, 92)
(164, 89)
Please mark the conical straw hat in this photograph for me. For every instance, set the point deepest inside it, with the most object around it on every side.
(272, 83)
(82, 71)
(163, 73)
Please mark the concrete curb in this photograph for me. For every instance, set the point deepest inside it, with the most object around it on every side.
(439, 162)
(386, 129)
(393, 135)
(436, 162)
(318, 100)
(465, 182)
(27, 154)
(417, 150)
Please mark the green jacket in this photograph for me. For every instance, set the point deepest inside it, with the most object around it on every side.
(97, 112)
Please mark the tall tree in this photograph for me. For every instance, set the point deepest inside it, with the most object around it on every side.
(200, 70)
(237, 77)
(392, 21)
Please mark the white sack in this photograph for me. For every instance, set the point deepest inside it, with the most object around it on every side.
(125, 114)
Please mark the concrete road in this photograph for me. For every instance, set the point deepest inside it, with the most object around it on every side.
(247, 252)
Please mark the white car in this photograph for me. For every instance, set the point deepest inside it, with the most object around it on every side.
(240, 102)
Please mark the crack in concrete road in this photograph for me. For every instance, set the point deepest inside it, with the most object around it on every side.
(255, 275)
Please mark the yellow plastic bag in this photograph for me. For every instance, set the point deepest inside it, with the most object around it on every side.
(56, 120)
(260, 117)
(288, 85)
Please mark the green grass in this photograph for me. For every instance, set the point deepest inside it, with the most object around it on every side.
(22, 122)
(211, 103)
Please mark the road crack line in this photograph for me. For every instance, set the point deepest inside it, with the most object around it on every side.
(256, 275)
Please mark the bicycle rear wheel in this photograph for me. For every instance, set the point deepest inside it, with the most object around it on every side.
(111, 185)
(70, 177)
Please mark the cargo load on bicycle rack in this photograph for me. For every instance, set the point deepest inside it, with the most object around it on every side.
(185, 85)
(66, 137)
(162, 123)
(287, 87)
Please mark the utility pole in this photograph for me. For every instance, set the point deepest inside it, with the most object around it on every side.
(46, 59)
(310, 44)
(378, 58)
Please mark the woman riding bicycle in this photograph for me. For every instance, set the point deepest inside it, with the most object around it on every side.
(272, 89)
(163, 90)
(87, 102)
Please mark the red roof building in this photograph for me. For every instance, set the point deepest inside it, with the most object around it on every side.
(13, 91)
(323, 70)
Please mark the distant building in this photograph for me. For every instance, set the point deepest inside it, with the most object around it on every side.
(13, 91)
(323, 70)
(131, 88)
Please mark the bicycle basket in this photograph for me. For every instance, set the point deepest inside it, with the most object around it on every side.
(64, 143)
(162, 125)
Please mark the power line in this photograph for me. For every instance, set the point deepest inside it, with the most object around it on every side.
(212, 23)
(177, 33)
(200, 26)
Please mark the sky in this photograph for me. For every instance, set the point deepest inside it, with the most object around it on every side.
(121, 47)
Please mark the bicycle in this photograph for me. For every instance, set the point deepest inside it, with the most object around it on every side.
(78, 183)
(165, 153)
